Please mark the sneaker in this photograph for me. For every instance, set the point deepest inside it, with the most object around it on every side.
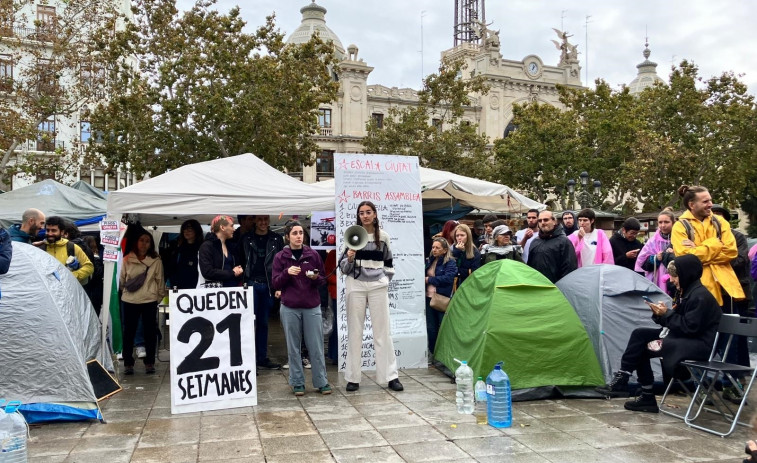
(617, 387)
(128, 370)
(119, 356)
(267, 364)
(396, 385)
(299, 390)
(732, 395)
(285, 366)
(352, 387)
(306, 363)
(141, 352)
(325, 390)
(646, 402)
(149, 369)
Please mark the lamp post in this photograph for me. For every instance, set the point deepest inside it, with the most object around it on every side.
(585, 198)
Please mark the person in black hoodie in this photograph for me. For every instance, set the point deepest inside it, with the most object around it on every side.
(181, 265)
(625, 246)
(569, 222)
(551, 251)
(692, 324)
(218, 264)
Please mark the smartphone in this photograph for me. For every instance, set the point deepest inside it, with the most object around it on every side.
(646, 298)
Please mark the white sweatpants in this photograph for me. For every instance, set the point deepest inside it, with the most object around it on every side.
(373, 294)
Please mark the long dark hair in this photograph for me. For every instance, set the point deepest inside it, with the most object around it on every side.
(194, 225)
(376, 231)
(151, 250)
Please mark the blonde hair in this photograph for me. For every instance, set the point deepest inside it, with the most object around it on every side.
(219, 221)
(469, 254)
(445, 245)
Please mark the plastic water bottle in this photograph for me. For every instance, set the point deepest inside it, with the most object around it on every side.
(13, 433)
(480, 394)
(464, 380)
(499, 404)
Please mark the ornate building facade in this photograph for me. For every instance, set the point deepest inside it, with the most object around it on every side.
(511, 81)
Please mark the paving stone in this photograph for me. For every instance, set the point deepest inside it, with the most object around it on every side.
(430, 451)
(45, 448)
(368, 455)
(574, 423)
(642, 453)
(104, 443)
(397, 420)
(171, 432)
(551, 441)
(412, 434)
(531, 457)
(300, 444)
(488, 446)
(340, 425)
(283, 424)
(162, 454)
(310, 457)
(353, 439)
(381, 409)
(606, 437)
(547, 409)
(110, 456)
(463, 430)
(230, 449)
(228, 428)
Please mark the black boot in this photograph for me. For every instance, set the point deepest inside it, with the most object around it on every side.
(617, 387)
(646, 402)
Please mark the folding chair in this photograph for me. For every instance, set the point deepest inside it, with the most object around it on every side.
(707, 373)
(665, 395)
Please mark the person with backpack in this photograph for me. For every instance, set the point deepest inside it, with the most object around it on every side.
(66, 252)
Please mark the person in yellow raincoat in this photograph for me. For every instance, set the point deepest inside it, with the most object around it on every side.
(715, 250)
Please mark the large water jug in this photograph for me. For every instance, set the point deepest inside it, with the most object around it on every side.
(13, 434)
(464, 395)
(499, 403)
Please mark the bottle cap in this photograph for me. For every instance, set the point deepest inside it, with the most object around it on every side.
(480, 378)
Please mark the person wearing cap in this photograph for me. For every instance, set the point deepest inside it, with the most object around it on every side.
(478, 232)
(625, 246)
(502, 248)
(592, 246)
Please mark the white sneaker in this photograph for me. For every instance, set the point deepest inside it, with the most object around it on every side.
(119, 356)
(285, 366)
(306, 363)
(141, 352)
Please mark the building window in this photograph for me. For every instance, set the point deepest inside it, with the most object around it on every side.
(46, 20)
(86, 131)
(324, 117)
(324, 163)
(47, 78)
(93, 79)
(6, 73)
(437, 123)
(46, 136)
(378, 120)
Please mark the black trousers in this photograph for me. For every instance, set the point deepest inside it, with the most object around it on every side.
(132, 313)
(637, 357)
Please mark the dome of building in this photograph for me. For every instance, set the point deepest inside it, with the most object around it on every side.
(314, 20)
(647, 75)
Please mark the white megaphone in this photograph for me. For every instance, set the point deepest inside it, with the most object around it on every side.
(355, 237)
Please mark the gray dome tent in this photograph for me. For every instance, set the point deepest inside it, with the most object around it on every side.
(607, 299)
(49, 331)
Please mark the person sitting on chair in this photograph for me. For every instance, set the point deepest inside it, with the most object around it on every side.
(692, 323)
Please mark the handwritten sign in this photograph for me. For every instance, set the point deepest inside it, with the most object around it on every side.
(212, 349)
(393, 184)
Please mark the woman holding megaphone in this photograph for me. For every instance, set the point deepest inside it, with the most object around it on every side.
(368, 272)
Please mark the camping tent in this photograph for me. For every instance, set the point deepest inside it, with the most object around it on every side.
(508, 311)
(240, 184)
(52, 198)
(607, 299)
(444, 189)
(85, 187)
(49, 331)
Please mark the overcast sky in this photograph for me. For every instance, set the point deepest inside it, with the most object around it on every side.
(718, 36)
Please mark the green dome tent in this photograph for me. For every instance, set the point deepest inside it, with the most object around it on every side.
(508, 311)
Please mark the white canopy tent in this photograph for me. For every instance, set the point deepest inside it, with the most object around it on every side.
(444, 189)
(240, 184)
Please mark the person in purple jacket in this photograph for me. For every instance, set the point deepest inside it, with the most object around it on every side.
(297, 273)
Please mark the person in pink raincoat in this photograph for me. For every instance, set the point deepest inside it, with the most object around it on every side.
(657, 252)
(592, 246)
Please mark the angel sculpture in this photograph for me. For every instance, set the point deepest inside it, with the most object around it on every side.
(568, 51)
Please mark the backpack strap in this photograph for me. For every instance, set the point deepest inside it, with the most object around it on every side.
(689, 228)
(70, 249)
(716, 223)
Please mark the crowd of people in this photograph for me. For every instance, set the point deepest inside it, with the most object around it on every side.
(697, 259)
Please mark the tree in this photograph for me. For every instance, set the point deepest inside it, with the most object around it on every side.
(56, 70)
(435, 130)
(194, 86)
(692, 131)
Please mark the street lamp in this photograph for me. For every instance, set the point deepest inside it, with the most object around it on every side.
(585, 198)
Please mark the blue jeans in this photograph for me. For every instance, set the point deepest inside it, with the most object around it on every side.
(263, 302)
(308, 323)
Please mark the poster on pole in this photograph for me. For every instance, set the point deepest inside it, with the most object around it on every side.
(393, 184)
(322, 230)
(212, 349)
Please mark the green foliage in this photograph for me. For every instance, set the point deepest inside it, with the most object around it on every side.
(692, 131)
(194, 86)
(434, 129)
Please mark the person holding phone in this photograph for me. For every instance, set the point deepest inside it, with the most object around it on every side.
(625, 246)
(297, 274)
(692, 324)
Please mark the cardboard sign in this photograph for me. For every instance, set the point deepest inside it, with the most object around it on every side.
(212, 349)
